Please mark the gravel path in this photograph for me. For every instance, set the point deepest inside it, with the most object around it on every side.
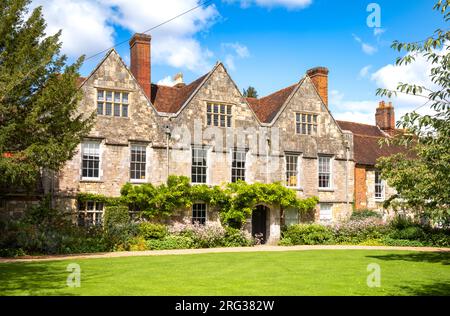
(213, 250)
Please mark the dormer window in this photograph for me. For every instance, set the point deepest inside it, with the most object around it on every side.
(219, 115)
(112, 103)
(306, 124)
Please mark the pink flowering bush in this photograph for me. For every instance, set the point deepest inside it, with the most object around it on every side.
(358, 231)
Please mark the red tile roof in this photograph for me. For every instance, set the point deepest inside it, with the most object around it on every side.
(266, 108)
(171, 99)
(366, 142)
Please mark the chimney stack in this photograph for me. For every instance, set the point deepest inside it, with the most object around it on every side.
(385, 117)
(178, 80)
(140, 61)
(319, 77)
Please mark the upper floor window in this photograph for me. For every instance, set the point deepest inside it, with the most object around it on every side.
(90, 157)
(112, 103)
(379, 186)
(238, 165)
(325, 172)
(199, 213)
(218, 115)
(199, 167)
(292, 172)
(306, 124)
(138, 162)
(90, 213)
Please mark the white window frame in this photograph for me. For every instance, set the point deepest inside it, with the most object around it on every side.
(245, 152)
(309, 125)
(96, 213)
(329, 214)
(207, 163)
(381, 184)
(206, 213)
(113, 102)
(330, 182)
(228, 115)
(299, 157)
(99, 143)
(146, 162)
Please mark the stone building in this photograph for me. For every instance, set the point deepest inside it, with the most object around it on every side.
(208, 131)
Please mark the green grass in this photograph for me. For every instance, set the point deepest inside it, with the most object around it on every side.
(317, 272)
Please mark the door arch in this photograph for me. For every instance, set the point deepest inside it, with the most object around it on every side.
(259, 223)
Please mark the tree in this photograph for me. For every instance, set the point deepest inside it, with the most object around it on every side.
(39, 124)
(250, 92)
(423, 183)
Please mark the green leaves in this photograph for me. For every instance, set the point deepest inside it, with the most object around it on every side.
(39, 120)
(235, 201)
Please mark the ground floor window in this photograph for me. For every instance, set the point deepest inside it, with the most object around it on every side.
(199, 213)
(90, 213)
(291, 217)
(326, 214)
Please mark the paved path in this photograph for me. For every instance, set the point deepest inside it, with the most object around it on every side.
(214, 250)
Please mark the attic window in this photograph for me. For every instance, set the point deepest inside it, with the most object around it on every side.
(219, 115)
(112, 103)
(306, 124)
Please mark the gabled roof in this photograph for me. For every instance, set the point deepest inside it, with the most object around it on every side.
(267, 108)
(366, 143)
(170, 99)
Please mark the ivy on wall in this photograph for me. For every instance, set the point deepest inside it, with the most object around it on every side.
(235, 201)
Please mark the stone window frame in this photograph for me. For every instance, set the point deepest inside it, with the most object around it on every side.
(287, 220)
(299, 157)
(200, 219)
(121, 104)
(97, 211)
(311, 128)
(100, 160)
(227, 115)
(145, 147)
(321, 207)
(243, 151)
(330, 186)
(206, 166)
(381, 185)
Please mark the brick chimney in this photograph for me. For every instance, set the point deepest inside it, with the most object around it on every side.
(140, 61)
(385, 117)
(319, 77)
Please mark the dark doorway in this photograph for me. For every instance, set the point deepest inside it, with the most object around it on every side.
(259, 216)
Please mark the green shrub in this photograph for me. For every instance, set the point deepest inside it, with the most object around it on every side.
(410, 233)
(170, 242)
(118, 227)
(286, 241)
(401, 242)
(152, 231)
(363, 214)
(309, 234)
(138, 244)
(354, 232)
(236, 238)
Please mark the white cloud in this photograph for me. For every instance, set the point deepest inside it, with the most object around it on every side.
(366, 48)
(238, 51)
(290, 4)
(362, 111)
(166, 81)
(364, 72)
(418, 73)
(84, 25)
(88, 27)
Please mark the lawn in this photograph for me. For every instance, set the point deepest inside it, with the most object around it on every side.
(316, 272)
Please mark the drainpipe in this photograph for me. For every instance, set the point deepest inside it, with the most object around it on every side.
(168, 133)
(267, 158)
(347, 152)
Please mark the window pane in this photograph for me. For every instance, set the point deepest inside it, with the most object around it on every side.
(109, 96)
(108, 110)
(124, 110)
(138, 162)
(116, 109)
(100, 108)
(116, 97)
(100, 95)
(124, 97)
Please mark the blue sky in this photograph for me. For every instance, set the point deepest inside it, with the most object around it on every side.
(268, 44)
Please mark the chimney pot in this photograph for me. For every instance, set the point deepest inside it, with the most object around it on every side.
(140, 61)
(319, 77)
